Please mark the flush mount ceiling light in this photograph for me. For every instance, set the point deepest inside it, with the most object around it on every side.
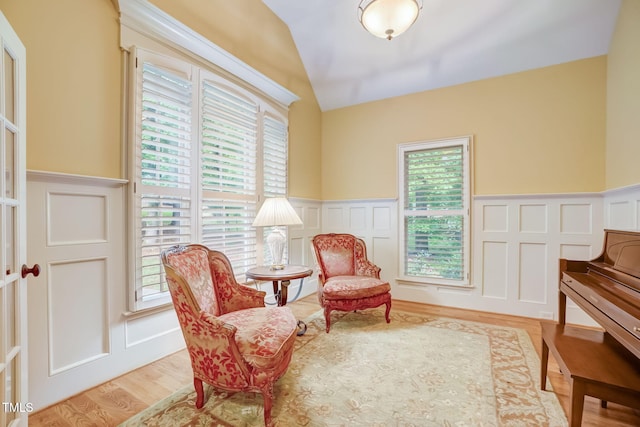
(388, 18)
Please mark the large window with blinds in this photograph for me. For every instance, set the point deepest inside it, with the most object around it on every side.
(435, 193)
(205, 152)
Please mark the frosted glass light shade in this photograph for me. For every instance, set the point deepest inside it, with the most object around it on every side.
(388, 18)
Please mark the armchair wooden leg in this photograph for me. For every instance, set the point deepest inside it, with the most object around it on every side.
(267, 395)
(327, 318)
(197, 384)
(386, 314)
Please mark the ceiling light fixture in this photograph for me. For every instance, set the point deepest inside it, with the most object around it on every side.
(388, 18)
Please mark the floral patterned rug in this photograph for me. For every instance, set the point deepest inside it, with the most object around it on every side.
(418, 370)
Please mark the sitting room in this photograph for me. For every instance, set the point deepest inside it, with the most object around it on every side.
(448, 187)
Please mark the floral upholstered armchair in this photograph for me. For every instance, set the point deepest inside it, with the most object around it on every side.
(234, 341)
(347, 279)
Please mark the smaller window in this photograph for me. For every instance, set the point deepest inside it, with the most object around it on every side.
(435, 211)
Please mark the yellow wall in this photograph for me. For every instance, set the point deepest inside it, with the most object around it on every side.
(623, 99)
(537, 131)
(73, 84)
(74, 79)
(252, 33)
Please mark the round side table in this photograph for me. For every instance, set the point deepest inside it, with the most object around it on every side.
(281, 280)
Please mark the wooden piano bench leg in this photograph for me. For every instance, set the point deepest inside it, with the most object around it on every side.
(577, 403)
(544, 362)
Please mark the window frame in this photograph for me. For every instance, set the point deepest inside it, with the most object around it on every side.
(467, 143)
(144, 25)
(197, 75)
(136, 58)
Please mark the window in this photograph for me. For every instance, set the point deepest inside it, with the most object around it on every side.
(435, 211)
(205, 152)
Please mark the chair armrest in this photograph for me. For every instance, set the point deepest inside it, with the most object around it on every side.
(243, 297)
(365, 267)
(208, 337)
(217, 325)
(321, 278)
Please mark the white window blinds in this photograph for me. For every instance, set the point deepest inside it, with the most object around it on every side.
(435, 204)
(205, 152)
(164, 153)
(229, 166)
(275, 157)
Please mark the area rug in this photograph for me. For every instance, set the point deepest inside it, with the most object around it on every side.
(419, 370)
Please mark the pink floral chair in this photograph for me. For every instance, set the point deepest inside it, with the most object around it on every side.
(234, 341)
(348, 280)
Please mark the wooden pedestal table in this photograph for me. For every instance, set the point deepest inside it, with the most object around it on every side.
(281, 280)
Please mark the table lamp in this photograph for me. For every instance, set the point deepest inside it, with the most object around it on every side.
(276, 212)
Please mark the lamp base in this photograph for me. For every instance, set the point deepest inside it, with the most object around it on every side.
(276, 241)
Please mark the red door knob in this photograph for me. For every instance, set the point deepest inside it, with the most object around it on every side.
(35, 270)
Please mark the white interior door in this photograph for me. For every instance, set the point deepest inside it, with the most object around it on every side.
(13, 251)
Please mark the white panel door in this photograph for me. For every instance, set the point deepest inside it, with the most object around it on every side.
(13, 251)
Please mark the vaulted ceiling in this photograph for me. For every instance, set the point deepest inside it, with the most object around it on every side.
(452, 42)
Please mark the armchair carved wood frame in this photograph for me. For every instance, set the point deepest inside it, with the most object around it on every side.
(235, 343)
(347, 280)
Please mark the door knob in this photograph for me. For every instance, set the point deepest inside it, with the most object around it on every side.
(35, 270)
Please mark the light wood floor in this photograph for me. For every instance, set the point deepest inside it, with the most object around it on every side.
(113, 402)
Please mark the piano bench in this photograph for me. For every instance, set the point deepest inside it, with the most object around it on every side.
(595, 365)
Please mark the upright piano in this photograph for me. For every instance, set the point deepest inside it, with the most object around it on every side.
(601, 363)
(608, 287)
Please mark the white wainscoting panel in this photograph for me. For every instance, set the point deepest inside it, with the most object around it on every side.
(357, 216)
(73, 226)
(300, 252)
(533, 286)
(81, 334)
(78, 333)
(516, 244)
(495, 218)
(576, 218)
(375, 222)
(622, 208)
(536, 231)
(140, 329)
(333, 217)
(620, 213)
(576, 251)
(533, 218)
(78, 327)
(494, 269)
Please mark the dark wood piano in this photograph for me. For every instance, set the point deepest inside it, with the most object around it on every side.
(608, 288)
(603, 364)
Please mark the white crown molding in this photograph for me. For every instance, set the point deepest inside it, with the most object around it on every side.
(150, 21)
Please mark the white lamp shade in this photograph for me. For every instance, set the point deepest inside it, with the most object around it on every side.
(276, 211)
(388, 18)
